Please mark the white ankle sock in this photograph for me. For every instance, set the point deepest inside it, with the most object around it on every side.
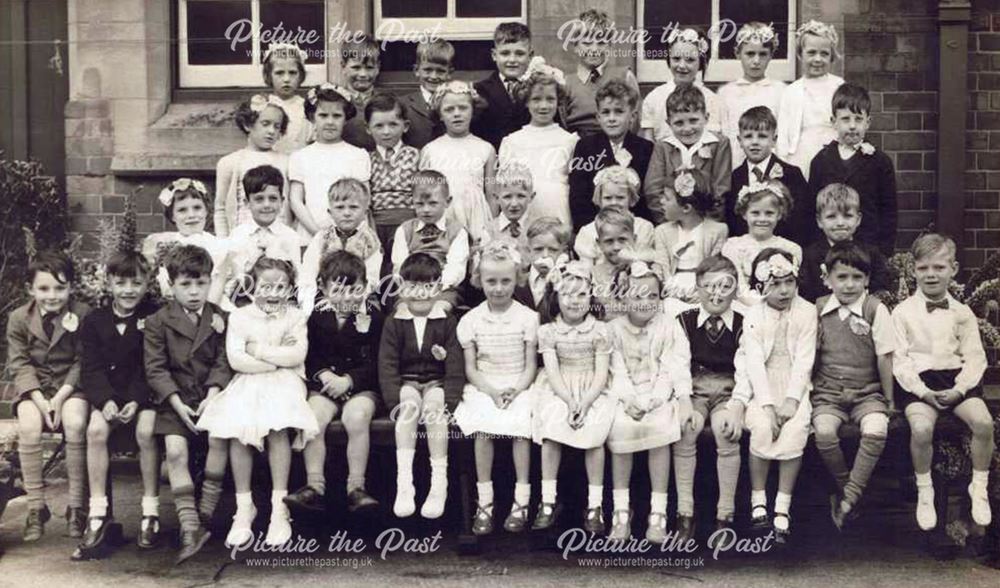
(404, 466)
(758, 498)
(485, 492)
(620, 498)
(548, 491)
(522, 494)
(98, 506)
(658, 502)
(595, 496)
(782, 503)
(150, 506)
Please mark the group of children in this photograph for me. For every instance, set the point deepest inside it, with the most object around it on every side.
(690, 303)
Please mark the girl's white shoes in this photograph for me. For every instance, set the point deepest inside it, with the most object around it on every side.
(242, 530)
(926, 513)
(279, 531)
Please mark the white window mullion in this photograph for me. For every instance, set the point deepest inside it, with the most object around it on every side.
(255, 43)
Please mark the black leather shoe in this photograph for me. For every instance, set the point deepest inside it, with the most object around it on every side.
(359, 501)
(34, 526)
(94, 537)
(719, 526)
(781, 535)
(546, 516)
(150, 536)
(685, 528)
(305, 500)
(192, 542)
(76, 522)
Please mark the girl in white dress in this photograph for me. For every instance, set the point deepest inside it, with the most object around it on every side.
(780, 343)
(805, 117)
(647, 414)
(762, 206)
(574, 406)
(542, 145)
(284, 70)
(499, 341)
(468, 162)
(186, 204)
(266, 347)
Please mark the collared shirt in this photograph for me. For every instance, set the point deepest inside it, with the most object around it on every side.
(846, 151)
(419, 322)
(453, 271)
(121, 321)
(882, 332)
(427, 94)
(536, 282)
(688, 152)
(583, 72)
(383, 151)
(762, 166)
(727, 318)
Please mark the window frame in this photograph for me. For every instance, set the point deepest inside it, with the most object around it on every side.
(248, 76)
(452, 28)
(720, 69)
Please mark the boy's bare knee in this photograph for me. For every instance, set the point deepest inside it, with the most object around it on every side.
(98, 431)
(922, 430)
(875, 425)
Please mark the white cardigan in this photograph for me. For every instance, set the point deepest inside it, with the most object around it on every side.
(759, 325)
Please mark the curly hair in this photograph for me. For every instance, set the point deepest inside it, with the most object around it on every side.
(770, 189)
(522, 92)
(268, 65)
(246, 117)
(329, 95)
(478, 103)
(703, 58)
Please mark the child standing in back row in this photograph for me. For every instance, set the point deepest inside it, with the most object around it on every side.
(284, 69)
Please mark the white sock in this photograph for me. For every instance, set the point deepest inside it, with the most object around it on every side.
(439, 471)
(924, 480)
(658, 502)
(404, 466)
(278, 508)
(782, 503)
(98, 506)
(595, 496)
(548, 491)
(621, 498)
(277, 495)
(150, 506)
(522, 494)
(244, 500)
(485, 491)
(980, 477)
(758, 498)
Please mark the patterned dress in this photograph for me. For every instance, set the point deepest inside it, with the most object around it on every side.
(499, 340)
(577, 348)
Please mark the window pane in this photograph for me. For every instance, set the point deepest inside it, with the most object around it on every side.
(660, 14)
(207, 23)
(414, 8)
(487, 8)
(469, 56)
(742, 12)
(301, 21)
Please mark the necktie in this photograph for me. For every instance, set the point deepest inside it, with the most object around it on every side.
(389, 153)
(714, 327)
(510, 84)
(49, 324)
(428, 233)
(515, 229)
(194, 316)
(594, 76)
(932, 306)
(759, 174)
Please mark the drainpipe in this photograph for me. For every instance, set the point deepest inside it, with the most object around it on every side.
(953, 23)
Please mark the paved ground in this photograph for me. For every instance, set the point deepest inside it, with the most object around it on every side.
(885, 551)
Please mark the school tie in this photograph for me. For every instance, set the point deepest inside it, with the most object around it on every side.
(389, 152)
(714, 328)
(932, 305)
(194, 316)
(510, 84)
(49, 324)
(514, 228)
(759, 174)
(594, 76)
(429, 233)
(344, 236)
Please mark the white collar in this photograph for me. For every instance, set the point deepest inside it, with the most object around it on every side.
(846, 150)
(856, 308)
(441, 223)
(688, 153)
(947, 296)
(427, 94)
(395, 148)
(727, 318)
(403, 312)
(583, 72)
(762, 165)
(503, 222)
(764, 81)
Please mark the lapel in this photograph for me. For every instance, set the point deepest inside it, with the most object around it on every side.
(416, 103)
(205, 329)
(59, 331)
(496, 87)
(108, 332)
(178, 320)
(35, 323)
(741, 177)
(603, 145)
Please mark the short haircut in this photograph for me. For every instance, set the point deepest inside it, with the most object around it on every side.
(511, 32)
(384, 102)
(361, 48)
(55, 263)
(769, 189)
(686, 99)
(841, 197)
(850, 254)
(329, 95)
(189, 260)
(765, 254)
(931, 244)
(189, 192)
(265, 263)
(246, 117)
(852, 97)
(589, 22)
(550, 225)
(420, 268)
(612, 217)
(715, 264)
(514, 173)
(430, 177)
(258, 178)
(438, 51)
(282, 53)
(701, 199)
(127, 264)
(343, 267)
(617, 90)
(348, 189)
(758, 118)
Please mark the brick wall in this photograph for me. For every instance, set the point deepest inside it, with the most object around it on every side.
(891, 49)
(982, 177)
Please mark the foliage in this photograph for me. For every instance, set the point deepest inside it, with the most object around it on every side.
(113, 235)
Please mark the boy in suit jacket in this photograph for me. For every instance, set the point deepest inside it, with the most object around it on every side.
(504, 115)
(342, 377)
(43, 357)
(186, 365)
(360, 64)
(433, 67)
(853, 161)
(112, 377)
(616, 144)
(549, 242)
(758, 134)
(421, 370)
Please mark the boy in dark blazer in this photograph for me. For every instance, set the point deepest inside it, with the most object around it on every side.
(422, 371)
(504, 114)
(549, 242)
(342, 376)
(853, 161)
(616, 144)
(113, 378)
(433, 67)
(758, 135)
(186, 365)
(43, 358)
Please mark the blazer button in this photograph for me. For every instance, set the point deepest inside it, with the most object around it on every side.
(112, 367)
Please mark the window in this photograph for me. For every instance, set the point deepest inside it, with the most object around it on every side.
(722, 18)
(221, 42)
(447, 19)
